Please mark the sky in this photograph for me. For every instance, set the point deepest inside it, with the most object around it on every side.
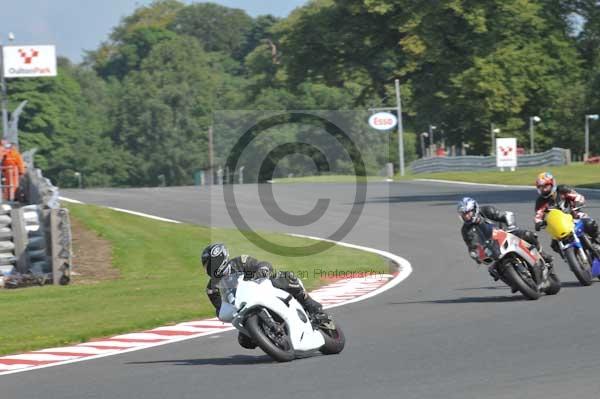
(78, 25)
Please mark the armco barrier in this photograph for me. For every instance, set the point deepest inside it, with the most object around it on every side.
(553, 157)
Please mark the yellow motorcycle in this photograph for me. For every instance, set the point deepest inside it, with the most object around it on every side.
(575, 246)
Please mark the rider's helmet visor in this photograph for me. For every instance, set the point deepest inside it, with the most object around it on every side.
(468, 216)
(544, 188)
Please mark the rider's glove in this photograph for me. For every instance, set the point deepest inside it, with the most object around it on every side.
(475, 256)
(262, 272)
(510, 220)
(539, 225)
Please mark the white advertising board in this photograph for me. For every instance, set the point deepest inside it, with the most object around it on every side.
(29, 61)
(506, 152)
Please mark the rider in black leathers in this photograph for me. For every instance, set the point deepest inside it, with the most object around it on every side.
(476, 218)
(215, 259)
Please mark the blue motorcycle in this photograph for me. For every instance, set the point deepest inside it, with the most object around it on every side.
(575, 246)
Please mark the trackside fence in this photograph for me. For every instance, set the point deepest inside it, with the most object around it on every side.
(553, 157)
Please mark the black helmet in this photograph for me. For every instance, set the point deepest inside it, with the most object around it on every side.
(215, 259)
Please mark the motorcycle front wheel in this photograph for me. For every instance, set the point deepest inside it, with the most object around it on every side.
(580, 267)
(530, 291)
(272, 339)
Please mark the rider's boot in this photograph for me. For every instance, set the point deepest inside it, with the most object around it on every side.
(512, 288)
(596, 242)
(494, 273)
(556, 248)
(310, 305)
(245, 341)
(548, 259)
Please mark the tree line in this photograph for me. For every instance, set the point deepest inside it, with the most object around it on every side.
(136, 111)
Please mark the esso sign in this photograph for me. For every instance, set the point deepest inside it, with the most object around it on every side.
(383, 121)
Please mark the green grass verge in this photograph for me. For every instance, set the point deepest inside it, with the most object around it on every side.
(577, 174)
(329, 179)
(161, 281)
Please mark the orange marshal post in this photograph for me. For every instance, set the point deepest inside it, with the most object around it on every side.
(13, 168)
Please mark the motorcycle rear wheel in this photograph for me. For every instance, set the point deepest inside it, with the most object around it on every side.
(554, 286)
(334, 340)
(583, 273)
(279, 349)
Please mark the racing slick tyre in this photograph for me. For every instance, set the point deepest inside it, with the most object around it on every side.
(273, 339)
(334, 340)
(554, 286)
(529, 290)
(580, 267)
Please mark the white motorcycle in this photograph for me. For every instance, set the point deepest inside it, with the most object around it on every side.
(275, 320)
(518, 263)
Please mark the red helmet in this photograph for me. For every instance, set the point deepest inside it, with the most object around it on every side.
(546, 184)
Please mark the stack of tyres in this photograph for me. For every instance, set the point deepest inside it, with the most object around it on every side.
(36, 249)
(7, 246)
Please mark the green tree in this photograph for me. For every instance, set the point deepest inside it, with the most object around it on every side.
(164, 111)
(133, 38)
(60, 121)
(339, 42)
(218, 28)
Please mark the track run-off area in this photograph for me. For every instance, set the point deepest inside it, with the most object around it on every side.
(447, 331)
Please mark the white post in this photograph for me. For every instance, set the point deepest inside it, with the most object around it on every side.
(211, 172)
(431, 140)
(493, 139)
(594, 117)
(531, 136)
(587, 138)
(400, 130)
(423, 149)
(532, 120)
(4, 95)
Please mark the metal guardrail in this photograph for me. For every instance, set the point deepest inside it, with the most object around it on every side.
(553, 157)
(40, 190)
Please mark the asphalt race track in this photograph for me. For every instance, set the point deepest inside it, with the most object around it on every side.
(448, 331)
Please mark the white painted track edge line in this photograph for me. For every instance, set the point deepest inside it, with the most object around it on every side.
(466, 183)
(405, 271)
(73, 201)
(116, 352)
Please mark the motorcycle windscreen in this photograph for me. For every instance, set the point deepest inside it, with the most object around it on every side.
(558, 224)
(229, 282)
(226, 312)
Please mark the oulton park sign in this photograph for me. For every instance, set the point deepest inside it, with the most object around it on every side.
(29, 61)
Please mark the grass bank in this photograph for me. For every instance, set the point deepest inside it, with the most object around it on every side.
(160, 281)
(577, 174)
(329, 179)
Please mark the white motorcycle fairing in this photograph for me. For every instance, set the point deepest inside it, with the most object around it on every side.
(252, 294)
(509, 243)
